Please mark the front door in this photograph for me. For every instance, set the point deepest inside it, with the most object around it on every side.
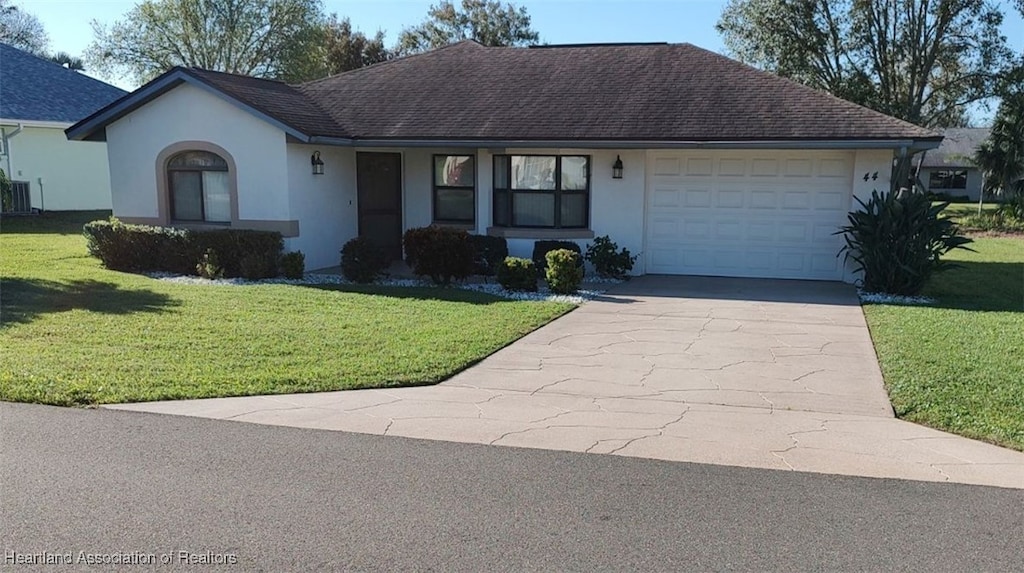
(379, 188)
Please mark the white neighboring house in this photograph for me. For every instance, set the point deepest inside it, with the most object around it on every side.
(950, 169)
(697, 163)
(39, 99)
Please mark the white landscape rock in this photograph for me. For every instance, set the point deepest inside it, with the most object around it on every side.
(886, 298)
(543, 295)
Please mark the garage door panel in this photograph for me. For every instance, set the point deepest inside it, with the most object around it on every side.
(730, 199)
(748, 214)
(732, 168)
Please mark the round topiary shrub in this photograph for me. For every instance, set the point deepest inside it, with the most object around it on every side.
(564, 273)
(517, 274)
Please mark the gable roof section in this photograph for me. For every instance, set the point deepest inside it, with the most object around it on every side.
(641, 94)
(275, 102)
(36, 89)
(958, 147)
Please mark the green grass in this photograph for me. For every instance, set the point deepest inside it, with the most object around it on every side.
(959, 365)
(960, 209)
(74, 333)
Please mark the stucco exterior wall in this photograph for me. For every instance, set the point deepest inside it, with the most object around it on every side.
(324, 205)
(188, 113)
(868, 162)
(62, 175)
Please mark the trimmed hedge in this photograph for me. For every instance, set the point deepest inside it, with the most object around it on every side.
(441, 253)
(608, 260)
(241, 253)
(542, 248)
(488, 253)
(517, 274)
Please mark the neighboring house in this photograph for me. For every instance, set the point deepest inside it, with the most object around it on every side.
(950, 169)
(725, 170)
(38, 101)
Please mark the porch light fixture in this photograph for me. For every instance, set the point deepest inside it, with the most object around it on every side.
(617, 168)
(318, 164)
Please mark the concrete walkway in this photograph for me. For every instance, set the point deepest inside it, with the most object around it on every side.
(755, 373)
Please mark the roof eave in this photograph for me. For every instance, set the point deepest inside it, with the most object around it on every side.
(910, 144)
(93, 128)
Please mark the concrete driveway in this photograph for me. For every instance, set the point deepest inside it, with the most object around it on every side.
(755, 373)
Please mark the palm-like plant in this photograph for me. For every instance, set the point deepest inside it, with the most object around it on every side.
(1001, 157)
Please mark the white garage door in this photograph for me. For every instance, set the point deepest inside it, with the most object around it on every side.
(747, 213)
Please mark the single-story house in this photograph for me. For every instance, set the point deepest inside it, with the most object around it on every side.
(39, 99)
(950, 169)
(698, 163)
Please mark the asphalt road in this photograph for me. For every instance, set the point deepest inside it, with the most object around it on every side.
(282, 499)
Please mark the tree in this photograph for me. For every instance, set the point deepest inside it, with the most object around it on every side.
(68, 61)
(347, 50)
(486, 21)
(922, 61)
(263, 38)
(22, 30)
(1001, 157)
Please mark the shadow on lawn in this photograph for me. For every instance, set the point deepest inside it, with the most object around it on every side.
(420, 293)
(979, 286)
(23, 300)
(50, 222)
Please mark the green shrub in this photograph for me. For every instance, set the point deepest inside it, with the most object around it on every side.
(209, 267)
(125, 247)
(564, 273)
(542, 248)
(608, 260)
(255, 266)
(517, 274)
(6, 192)
(997, 221)
(441, 253)
(1013, 207)
(898, 241)
(293, 265)
(362, 261)
(262, 249)
(488, 252)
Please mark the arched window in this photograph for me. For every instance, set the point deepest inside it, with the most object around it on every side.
(199, 187)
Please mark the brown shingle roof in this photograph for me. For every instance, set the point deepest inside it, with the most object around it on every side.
(667, 92)
(279, 100)
(637, 92)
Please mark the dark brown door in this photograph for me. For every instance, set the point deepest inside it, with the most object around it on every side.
(379, 188)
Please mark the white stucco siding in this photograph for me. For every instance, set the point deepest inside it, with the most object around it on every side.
(868, 162)
(324, 205)
(62, 175)
(187, 113)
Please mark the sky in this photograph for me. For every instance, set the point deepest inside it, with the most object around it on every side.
(557, 21)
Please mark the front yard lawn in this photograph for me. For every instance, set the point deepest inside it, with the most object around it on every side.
(959, 365)
(73, 333)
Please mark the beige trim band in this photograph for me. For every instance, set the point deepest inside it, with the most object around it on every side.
(540, 234)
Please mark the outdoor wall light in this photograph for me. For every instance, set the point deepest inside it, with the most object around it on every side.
(617, 168)
(318, 164)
